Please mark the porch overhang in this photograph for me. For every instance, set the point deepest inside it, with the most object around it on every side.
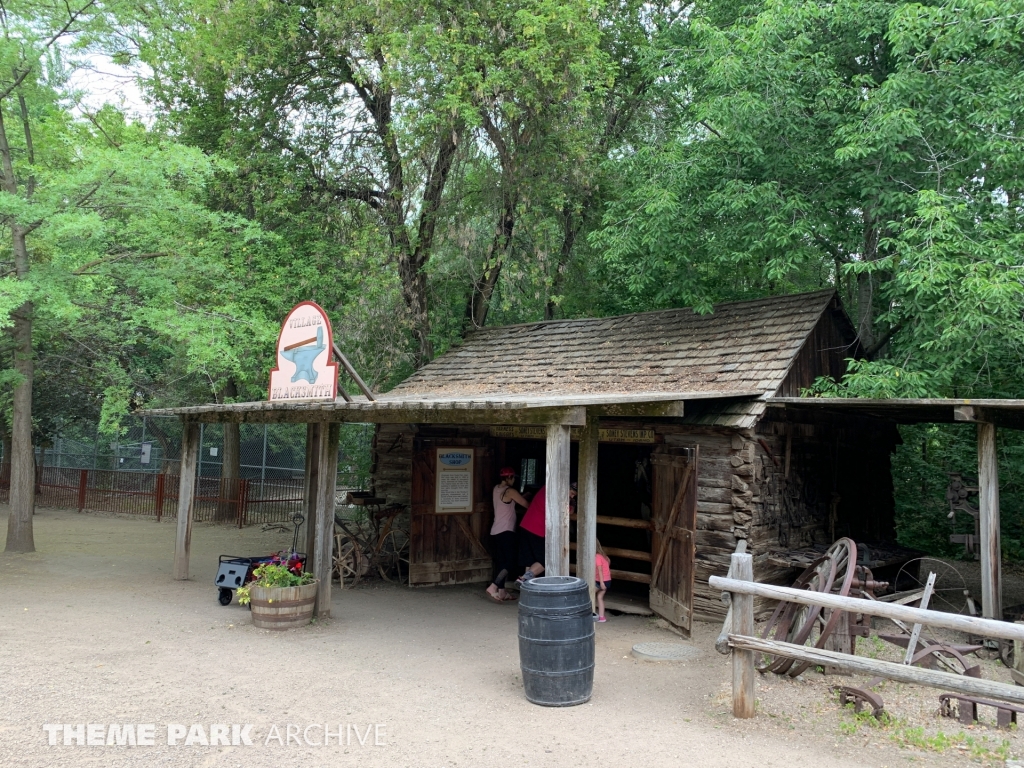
(498, 409)
(1002, 413)
(986, 414)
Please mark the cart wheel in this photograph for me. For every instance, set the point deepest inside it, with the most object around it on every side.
(224, 597)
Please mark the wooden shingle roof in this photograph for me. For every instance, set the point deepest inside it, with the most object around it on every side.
(741, 346)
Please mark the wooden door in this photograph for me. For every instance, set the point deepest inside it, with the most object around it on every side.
(448, 548)
(674, 513)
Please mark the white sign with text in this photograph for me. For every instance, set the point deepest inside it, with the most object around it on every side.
(454, 481)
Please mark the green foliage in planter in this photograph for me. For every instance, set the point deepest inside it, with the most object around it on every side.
(271, 575)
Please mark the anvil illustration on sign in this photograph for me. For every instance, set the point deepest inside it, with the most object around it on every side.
(303, 354)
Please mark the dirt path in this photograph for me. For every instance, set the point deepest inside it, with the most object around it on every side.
(93, 630)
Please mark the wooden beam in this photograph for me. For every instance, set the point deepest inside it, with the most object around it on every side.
(972, 625)
(350, 369)
(1012, 418)
(628, 554)
(623, 522)
(966, 413)
(186, 498)
(988, 513)
(915, 633)
(946, 681)
(673, 410)
(556, 540)
(742, 567)
(573, 416)
(327, 479)
(586, 502)
(639, 578)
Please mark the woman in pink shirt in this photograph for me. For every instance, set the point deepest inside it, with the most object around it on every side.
(503, 532)
(532, 530)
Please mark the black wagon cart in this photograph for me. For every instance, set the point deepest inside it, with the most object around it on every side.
(234, 572)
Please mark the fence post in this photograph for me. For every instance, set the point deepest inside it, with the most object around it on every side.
(243, 498)
(742, 566)
(159, 493)
(83, 484)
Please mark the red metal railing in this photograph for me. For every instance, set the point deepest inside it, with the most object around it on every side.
(237, 501)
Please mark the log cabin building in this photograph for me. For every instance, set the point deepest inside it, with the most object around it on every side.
(789, 486)
(686, 432)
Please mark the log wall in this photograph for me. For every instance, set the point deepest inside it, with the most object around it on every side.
(838, 483)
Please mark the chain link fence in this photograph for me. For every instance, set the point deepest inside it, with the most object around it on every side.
(138, 472)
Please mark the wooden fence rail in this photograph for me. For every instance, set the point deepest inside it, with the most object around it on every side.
(744, 646)
(237, 501)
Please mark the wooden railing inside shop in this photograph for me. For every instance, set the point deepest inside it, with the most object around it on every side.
(629, 554)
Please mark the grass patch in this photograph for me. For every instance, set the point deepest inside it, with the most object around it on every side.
(979, 747)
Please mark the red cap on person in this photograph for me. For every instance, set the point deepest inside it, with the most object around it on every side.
(507, 472)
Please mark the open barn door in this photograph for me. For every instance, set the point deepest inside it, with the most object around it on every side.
(674, 513)
(445, 536)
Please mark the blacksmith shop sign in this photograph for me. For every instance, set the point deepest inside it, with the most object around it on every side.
(304, 368)
(454, 481)
(604, 435)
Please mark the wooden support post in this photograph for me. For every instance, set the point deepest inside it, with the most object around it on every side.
(556, 540)
(1018, 653)
(83, 486)
(310, 485)
(988, 504)
(586, 504)
(186, 498)
(742, 567)
(243, 500)
(323, 520)
(160, 494)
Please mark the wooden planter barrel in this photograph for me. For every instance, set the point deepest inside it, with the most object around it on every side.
(282, 607)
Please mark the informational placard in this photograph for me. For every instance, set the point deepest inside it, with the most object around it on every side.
(454, 481)
(304, 369)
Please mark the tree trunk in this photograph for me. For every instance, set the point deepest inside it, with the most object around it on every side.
(483, 289)
(171, 462)
(570, 230)
(231, 466)
(866, 283)
(865, 313)
(23, 465)
(414, 292)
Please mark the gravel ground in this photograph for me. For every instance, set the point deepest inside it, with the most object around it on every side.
(94, 630)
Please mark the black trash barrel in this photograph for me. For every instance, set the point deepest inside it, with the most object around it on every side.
(556, 641)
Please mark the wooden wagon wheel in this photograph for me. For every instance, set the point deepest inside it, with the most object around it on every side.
(794, 623)
(349, 561)
(393, 556)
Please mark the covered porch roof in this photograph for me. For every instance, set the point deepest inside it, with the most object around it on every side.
(1003, 413)
(986, 414)
(489, 408)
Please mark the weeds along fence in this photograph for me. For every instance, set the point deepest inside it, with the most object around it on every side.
(236, 501)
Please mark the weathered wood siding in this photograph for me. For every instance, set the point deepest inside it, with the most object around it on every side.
(392, 462)
(839, 484)
(824, 353)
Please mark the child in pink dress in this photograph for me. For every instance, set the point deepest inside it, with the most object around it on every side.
(603, 576)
